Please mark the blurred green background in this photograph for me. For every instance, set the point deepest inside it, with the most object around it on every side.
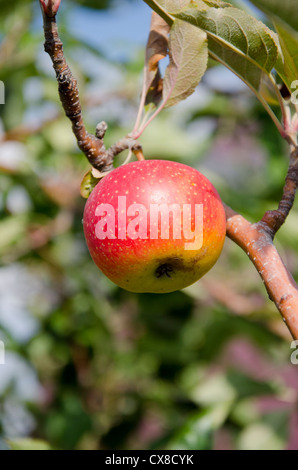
(88, 365)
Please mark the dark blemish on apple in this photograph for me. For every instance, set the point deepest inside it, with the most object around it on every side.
(168, 266)
(164, 270)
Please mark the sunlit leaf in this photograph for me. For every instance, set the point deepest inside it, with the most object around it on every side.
(240, 42)
(168, 5)
(217, 3)
(235, 30)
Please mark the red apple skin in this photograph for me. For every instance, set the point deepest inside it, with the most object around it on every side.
(155, 265)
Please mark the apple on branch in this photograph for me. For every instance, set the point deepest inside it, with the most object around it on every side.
(154, 226)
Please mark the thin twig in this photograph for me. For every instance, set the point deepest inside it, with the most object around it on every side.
(276, 218)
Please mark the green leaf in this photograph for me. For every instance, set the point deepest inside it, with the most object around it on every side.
(198, 431)
(213, 390)
(90, 180)
(241, 66)
(246, 386)
(240, 42)
(269, 434)
(12, 230)
(238, 32)
(284, 10)
(188, 53)
(287, 68)
(285, 17)
(28, 444)
(257, 80)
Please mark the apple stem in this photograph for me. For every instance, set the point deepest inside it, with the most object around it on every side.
(139, 154)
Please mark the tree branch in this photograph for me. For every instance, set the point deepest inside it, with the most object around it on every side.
(275, 219)
(257, 243)
(91, 145)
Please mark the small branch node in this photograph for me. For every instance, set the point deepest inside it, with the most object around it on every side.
(101, 130)
(50, 7)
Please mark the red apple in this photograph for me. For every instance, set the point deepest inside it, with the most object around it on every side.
(154, 226)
